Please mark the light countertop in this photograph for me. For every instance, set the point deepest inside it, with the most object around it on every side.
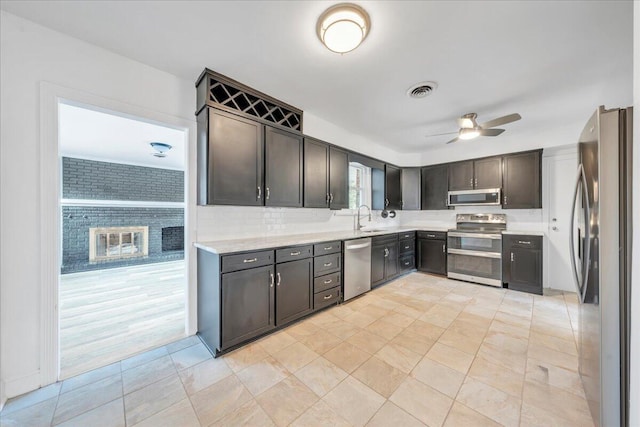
(524, 232)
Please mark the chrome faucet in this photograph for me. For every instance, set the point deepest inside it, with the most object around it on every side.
(359, 226)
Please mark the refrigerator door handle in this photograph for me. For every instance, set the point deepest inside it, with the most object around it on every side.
(586, 251)
(579, 282)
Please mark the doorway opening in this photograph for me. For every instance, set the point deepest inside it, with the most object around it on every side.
(122, 283)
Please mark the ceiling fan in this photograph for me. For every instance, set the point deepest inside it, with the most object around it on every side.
(469, 127)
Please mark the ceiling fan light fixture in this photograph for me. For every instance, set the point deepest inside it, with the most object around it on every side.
(342, 27)
(161, 148)
(469, 133)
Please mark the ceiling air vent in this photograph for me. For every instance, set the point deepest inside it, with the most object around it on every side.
(422, 90)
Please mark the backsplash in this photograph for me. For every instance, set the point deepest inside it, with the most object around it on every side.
(231, 222)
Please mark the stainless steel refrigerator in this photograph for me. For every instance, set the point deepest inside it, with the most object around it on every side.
(601, 257)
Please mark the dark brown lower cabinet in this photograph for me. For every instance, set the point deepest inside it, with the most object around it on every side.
(432, 252)
(522, 263)
(247, 304)
(384, 259)
(294, 290)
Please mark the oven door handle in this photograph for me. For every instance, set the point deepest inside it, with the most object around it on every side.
(482, 254)
(476, 235)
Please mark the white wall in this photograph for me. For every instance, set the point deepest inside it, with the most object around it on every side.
(634, 418)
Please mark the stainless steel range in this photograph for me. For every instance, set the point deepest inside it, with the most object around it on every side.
(474, 248)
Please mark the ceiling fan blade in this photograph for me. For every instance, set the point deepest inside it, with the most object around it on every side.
(453, 140)
(440, 134)
(501, 121)
(491, 132)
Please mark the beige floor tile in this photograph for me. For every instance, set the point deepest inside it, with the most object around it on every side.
(463, 416)
(323, 318)
(244, 357)
(367, 341)
(321, 376)
(549, 328)
(497, 376)
(417, 343)
(531, 416)
(321, 341)
(442, 378)
(320, 414)
(295, 356)
(153, 398)
(37, 415)
(262, 375)
(461, 341)
(347, 356)
(36, 396)
(204, 374)
(554, 343)
(379, 376)
(287, 400)
(474, 319)
(83, 399)
(507, 342)
(391, 415)
(341, 311)
(399, 357)
(141, 376)
(559, 402)
(147, 356)
(440, 315)
(374, 311)
(489, 401)
(183, 343)
(249, 414)
(553, 357)
(359, 319)
(493, 354)
(342, 329)
(507, 328)
(354, 401)
(179, 414)
(220, 399)
(408, 311)
(384, 329)
(398, 319)
(276, 342)
(548, 374)
(302, 329)
(92, 376)
(421, 401)
(451, 357)
(519, 321)
(426, 329)
(108, 415)
(190, 356)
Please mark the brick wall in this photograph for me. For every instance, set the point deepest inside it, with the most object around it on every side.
(88, 179)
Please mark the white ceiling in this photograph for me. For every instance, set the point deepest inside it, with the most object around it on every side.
(552, 62)
(97, 135)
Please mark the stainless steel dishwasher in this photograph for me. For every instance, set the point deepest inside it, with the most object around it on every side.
(357, 267)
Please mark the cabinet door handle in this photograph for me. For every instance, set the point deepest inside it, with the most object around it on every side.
(386, 252)
(279, 280)
(444, 249)
(471, 182)
(407, 247)
(406, 263)
(327, 198)
(271, 282)
(328, 264)
(259, 192)
(476, 182)
(524, 242)
(295, 253)
(402, 203)
(330, 197)
(267, 192)
(326, 282)
(250, 260)
(386, 202)
(328, 248)
(431, 235)
(512, 258)
(328, 296)
(505, 199)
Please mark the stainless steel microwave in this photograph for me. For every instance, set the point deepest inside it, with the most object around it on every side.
(486, 196)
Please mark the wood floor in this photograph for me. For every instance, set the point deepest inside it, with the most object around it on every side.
(108, 315)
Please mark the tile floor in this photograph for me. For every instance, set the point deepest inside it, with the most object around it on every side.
(421, 350)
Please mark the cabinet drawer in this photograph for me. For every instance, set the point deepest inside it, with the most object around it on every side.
(407, 235)
(523, 241)
(407, 262)
(327, 248)
(438, 235)
(323, 283)
(293, 253)
(384, 240)
(325, 298)
(248, 260)
(407, 246)
(326, 264)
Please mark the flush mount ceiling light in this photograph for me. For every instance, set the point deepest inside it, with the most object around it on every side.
(342, 27)
(469, 133)
(161, 148)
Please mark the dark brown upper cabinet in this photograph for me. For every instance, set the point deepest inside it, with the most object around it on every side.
(338, 178)
(410, 178)
(476, 174)
(521, 182)
(392, 187)
(230, 159)
(316, 174)
(434, 187)
(283, 168)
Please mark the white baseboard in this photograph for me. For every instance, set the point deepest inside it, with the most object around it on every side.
(3, 396)
(16, 386)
